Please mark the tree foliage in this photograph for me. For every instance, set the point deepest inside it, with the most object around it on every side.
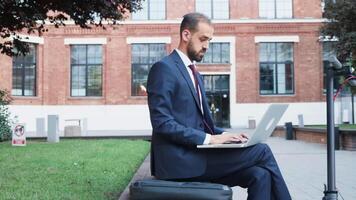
(5, 121)
(32, 15)
(341, 15)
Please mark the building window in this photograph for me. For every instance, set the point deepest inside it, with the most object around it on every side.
(24, 73)
(214, 9)
(328, 51)
(217, 53)
(272, 9)
(143, 57)
(276, 68)
(86, 70)
(151, 10)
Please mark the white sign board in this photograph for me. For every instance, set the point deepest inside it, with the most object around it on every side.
(18, 135)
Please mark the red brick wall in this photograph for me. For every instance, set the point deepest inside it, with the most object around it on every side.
(57, 72)
(250, 9)
(279, 133)
(314, 137)
(308, 68)
(177, 8)
(5, 72)
(247, 70)
(118, 71)
(349, 141)
(307, 9)
(347, 138)
(243, 9)
(307, 136)
(307, 63)
(53, 70)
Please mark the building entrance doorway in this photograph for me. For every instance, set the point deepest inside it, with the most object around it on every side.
(218, 97)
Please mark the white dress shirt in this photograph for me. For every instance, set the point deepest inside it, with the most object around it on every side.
(188, 62)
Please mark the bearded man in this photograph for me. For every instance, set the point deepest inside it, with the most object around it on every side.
(181, 120)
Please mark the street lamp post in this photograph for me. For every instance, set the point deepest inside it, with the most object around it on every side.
(330, 192)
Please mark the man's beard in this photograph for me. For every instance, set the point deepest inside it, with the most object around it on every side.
(192, 54)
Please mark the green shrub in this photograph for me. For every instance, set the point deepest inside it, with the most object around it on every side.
(5, 121)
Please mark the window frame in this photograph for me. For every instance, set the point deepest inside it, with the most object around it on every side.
(212, 10)
(145, 64)
(220, 53)
(149, 16)
(275, 11)
(23, 74)
(86, 65)
(275, 63)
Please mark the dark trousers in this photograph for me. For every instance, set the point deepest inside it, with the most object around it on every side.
(253, 167)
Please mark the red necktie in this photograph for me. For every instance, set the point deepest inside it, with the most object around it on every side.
(195, 73)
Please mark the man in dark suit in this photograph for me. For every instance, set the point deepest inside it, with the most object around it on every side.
(181, 120)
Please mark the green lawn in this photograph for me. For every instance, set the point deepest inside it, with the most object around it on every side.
(71, 169)
(342, 126)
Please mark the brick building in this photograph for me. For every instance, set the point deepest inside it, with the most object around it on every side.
(263, 51)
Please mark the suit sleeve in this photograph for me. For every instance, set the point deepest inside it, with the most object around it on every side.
(161, 87)
(218, 130)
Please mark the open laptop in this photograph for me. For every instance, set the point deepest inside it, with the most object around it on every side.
(263, 130)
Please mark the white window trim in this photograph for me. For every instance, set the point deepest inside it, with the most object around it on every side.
(227, 39)
(287, 38)
(69, 41)
(30, 39)
(148, 40)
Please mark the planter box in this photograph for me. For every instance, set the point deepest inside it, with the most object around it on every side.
(347, 137)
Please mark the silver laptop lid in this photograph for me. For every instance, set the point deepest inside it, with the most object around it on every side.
(268, 123)
(264, 129)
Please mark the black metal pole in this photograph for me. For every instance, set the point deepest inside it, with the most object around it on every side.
(330, 192)
(352, 108)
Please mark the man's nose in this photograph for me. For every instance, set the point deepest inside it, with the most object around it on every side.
(206, 46)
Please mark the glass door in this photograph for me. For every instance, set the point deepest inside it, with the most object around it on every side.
(218, 97)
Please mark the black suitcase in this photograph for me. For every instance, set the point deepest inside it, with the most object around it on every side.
(169, 190)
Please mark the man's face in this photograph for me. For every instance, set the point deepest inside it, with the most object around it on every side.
(198, 43)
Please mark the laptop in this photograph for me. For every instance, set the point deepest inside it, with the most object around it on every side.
(262, 131)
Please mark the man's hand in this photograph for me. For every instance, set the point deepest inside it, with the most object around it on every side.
(228, 138)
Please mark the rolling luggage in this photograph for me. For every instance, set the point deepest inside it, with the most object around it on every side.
(169, 190)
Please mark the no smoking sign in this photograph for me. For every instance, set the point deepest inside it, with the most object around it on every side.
(18, 135)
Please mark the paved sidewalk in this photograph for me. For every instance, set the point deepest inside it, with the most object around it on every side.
(303, 166)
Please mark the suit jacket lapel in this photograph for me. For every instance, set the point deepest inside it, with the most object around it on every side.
(180, 65)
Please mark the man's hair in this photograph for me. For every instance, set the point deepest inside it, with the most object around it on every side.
(191, 21)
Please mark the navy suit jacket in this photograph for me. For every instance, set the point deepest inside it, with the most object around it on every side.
(177, 120)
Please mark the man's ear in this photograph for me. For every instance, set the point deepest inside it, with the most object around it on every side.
(186, 35)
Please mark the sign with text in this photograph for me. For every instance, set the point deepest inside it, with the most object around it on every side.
(18, 135)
